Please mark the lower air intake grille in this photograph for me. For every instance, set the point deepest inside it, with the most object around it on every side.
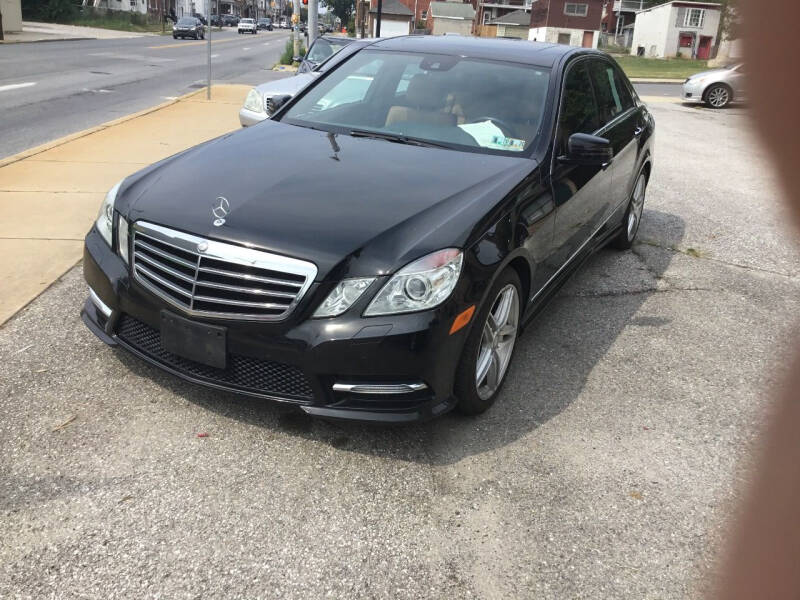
(243, 373)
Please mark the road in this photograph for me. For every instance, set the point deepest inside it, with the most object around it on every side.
(607, 468)
(48, 90)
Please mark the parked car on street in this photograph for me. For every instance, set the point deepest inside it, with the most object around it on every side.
(188, 27)
(376, 259)
(216, 21)
(716, 88)
(264, 23)
(247, 26)
(230, 20)
(257, 105)
(321, 49)
(284, 24)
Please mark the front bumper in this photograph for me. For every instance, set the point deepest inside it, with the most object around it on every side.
(321, 365)
(692, 91)
(248, 117)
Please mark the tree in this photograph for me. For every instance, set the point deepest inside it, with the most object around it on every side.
(343, 9)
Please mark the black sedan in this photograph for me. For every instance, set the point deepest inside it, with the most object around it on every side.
(264, 23)
(457, 182)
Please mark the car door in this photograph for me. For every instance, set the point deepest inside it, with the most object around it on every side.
(621, 124)
(580, 192)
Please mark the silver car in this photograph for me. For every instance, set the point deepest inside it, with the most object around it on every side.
(257, 106)
(717, 88)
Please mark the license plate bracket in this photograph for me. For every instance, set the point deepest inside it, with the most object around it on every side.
(200, 342)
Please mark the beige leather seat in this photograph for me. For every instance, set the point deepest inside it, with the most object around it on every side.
(425, 103)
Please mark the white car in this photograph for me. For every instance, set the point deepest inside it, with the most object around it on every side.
(247, 26)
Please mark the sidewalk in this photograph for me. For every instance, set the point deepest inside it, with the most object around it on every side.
(50, 195)
(55, 32)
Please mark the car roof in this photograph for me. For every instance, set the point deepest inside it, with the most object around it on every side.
(522, 51)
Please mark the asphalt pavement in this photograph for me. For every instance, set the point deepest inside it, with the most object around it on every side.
(607, 469)
(48, 90)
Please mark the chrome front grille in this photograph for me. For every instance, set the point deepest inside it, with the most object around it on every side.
(214, 279)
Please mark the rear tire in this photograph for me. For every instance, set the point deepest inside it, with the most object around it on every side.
(633, 215)
(719, 95)
(490, 346)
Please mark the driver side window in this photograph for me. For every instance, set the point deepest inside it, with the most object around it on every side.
(578, 108)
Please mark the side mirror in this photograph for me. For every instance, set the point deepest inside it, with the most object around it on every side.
(588, 150)
(275, 103)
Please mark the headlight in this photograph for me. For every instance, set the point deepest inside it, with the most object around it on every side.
(254, 101)
(343, 296)
(123, 230)
(423, 284)
(105, 220)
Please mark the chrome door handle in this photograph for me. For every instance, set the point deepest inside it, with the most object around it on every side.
(638, 131)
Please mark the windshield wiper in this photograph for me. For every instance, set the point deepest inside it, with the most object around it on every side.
(396, 138)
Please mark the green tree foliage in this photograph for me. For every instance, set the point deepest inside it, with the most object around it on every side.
(343, 9)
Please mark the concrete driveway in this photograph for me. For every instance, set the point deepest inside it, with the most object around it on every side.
(607, 469)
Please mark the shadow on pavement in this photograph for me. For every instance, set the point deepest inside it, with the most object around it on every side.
(553, 359)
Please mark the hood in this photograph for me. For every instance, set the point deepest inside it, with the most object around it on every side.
(363, 205)
(715, 72)
(288, 85)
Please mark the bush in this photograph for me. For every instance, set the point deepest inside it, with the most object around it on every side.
(287, 58)
(351, 28)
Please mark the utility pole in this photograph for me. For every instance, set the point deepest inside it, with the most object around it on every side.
(208, 50)
(296, 26)
(378, 20)
(312, 21)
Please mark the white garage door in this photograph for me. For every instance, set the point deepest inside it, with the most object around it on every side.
(391, 28)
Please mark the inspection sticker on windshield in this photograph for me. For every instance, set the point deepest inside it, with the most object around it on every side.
(489, 135)
(502, 142)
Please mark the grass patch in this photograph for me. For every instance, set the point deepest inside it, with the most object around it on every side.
(287, 58)
(120, 24)
(660, 68)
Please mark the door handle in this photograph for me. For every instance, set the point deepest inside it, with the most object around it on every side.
(638, 131)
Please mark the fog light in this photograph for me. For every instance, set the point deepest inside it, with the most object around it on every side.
(101, 306)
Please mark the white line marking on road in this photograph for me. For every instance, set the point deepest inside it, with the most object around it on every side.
(100, 91)
(245, 48)
(16, 86)
(169, 97)
(215, 56)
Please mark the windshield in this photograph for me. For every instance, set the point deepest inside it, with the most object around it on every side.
(461, 103)
(322, 49)
(186, 21)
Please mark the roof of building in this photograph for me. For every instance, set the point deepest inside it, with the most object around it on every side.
(393, 7)
(686, 3)
(452, 10)
(518, 17)
(520, 51)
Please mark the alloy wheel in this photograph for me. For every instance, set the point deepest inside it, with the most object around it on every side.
(497, 342)
(719, 96)
(637, 206)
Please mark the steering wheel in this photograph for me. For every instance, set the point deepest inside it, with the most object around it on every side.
(504, 127)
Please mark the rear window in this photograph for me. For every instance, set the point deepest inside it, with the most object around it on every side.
(246, 21)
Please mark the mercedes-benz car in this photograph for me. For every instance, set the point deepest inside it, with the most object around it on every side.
(447, 205)
(258, 105)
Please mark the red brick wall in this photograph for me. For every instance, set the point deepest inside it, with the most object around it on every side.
(550, 13)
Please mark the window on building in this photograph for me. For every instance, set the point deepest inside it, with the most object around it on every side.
(424, 15)
(487, 16)
(694, 17)
(133, 4)
(576, 9)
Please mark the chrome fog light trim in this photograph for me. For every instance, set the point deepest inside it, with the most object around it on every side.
(379, 388)
(99, 303)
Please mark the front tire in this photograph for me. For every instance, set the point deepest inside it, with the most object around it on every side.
(490, 346)
(719, 95)
(633, 216)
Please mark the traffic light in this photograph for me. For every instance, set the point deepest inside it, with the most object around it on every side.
(305, 1)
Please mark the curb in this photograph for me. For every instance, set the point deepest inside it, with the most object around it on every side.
(655, 80)
(79, 134)
(69, 39)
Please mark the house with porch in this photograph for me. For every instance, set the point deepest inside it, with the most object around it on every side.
(566, 22)
(677, 28)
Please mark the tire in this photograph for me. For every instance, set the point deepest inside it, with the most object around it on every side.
(633, 215)
(718, 95)
(477, 390)
(174, 37)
